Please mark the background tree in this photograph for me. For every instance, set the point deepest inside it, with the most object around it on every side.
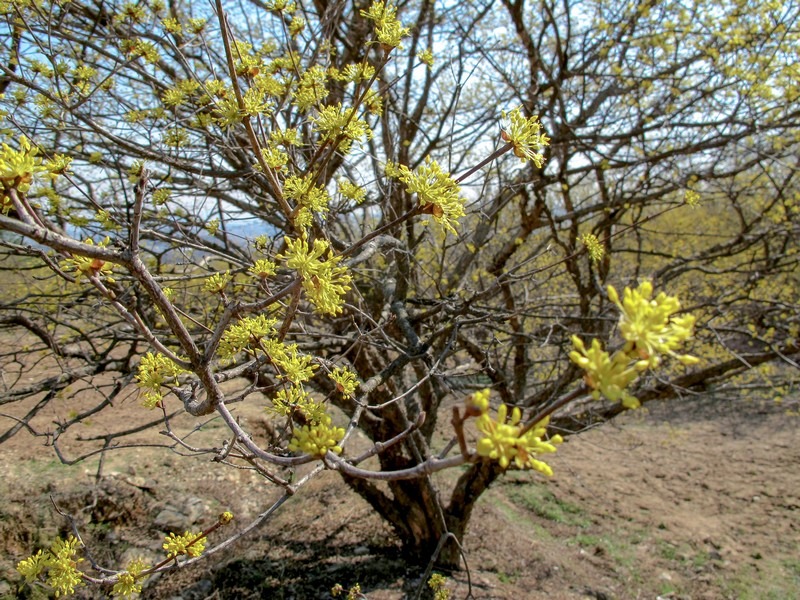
(257, 184)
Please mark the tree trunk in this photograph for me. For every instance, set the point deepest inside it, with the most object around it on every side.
(420, 520)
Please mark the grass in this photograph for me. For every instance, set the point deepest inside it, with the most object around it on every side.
(770, 580)
(619, 547)
(513, 514)
(543, 503)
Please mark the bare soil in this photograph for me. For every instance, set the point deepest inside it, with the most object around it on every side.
(692, 499)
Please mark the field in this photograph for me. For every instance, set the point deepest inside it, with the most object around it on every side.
(698, 498)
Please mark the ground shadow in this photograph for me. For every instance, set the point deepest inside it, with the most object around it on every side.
(311, 571)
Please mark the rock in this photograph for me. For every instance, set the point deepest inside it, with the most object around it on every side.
(180, 517)
(198, 590)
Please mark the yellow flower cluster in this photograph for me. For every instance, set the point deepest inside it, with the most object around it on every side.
(274, 157)
(154, 371)
(216, 283)
(351, 191)
(312, 88)
(355, 72)
(436, 190)
(324, 280)
(649, 324)
(692, 198)
(339, 125)
(310, 197)
(606, 375)
(318, 438)
(650, 329)
(262, 268)
(293, 366)
(389, 31)
(426, 56)
(129, 582)
(593, 246)
(504, 441)
(58, 562)
(345, 380)
(18, 168)
(438, 584)
(245, 335)
(190, 544)
(296, 401)
(526, 135)
(89, 267)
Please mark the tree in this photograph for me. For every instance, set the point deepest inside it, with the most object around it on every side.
(261, 194)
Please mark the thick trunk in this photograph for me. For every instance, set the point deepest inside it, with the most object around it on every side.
(419, 519)
(414, 512)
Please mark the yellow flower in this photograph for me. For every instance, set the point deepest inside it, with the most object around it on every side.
(60, 564)
(388, 29)
(436, 190)
(128, 582)
(262, 268)
(351, 191)
(650, 325)
(324, 280)
(126, 585)
(532, 444)
(89, 267)
(692, 198)
(593, 246)
(499, 435)
(171, 25)
(480, 400)
(304, 259)
(17, 167)
(345, 380)
(274, 157)
(426, 56)
(303, 191)
(217, 282)
(246, 335)
(62, 574)
(312, 88)
(156, 370)
(295, 367)
(190, 544)
(502, 441)
(33, 566)
(606, 375)
(526, 135)
(294, 400)
(650, 328)
(318, 438)
(338, 124)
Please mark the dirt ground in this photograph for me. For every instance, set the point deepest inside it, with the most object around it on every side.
(691, 499)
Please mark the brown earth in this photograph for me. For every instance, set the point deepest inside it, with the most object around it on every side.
(691, 499)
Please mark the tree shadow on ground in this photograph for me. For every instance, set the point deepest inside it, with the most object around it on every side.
(310, 570)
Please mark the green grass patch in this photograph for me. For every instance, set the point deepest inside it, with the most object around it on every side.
(772, 580)
(543, 503)
(514, 514)
(619, 547)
